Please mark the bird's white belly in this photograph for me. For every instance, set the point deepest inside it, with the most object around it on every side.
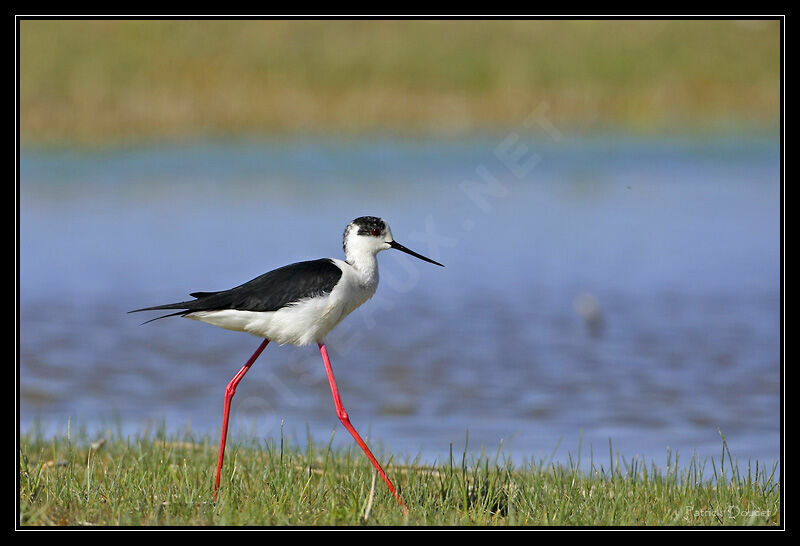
(302, 323)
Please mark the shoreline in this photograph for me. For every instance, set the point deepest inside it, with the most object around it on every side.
(166, 480)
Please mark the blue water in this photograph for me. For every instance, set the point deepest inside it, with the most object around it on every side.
(677, 240)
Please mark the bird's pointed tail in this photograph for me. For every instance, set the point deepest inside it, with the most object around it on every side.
(184, 306)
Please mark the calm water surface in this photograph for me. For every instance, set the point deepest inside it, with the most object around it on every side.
(676, 240)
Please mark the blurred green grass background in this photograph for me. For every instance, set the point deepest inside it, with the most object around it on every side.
(104, 82)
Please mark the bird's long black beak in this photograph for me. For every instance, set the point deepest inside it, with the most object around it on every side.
(401, 248)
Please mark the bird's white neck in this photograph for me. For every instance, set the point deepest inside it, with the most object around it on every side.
(361, 252)
(365, 263)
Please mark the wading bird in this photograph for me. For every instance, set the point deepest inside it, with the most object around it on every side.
(299, 304)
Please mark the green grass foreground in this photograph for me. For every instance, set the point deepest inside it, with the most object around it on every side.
(105, 82)
(150, 480)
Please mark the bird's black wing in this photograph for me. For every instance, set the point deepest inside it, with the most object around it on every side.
(268, 292)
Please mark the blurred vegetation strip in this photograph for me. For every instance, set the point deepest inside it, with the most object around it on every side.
(96, 82)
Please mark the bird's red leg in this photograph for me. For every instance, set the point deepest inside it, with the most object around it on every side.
(342, 414)
(230, 390)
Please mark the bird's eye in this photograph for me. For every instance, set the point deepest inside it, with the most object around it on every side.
(376, 232)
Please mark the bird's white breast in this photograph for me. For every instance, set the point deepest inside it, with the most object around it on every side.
(306, 321)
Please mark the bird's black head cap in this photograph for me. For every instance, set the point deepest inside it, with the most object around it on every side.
(366, 225)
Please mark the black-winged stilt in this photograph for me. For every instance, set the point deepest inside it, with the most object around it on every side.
(299, 304)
